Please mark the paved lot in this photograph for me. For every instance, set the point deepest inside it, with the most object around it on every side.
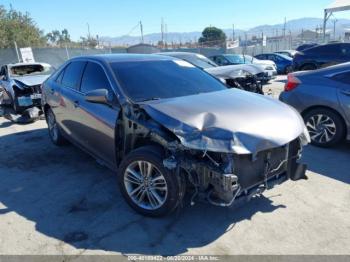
(60, 201)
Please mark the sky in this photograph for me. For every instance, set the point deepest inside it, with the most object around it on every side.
(119, 17)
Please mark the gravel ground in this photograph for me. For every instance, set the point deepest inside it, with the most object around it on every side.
(60, 201)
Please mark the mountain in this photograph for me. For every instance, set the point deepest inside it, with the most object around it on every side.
(294, 26)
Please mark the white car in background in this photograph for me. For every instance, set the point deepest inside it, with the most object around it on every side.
(268, 66)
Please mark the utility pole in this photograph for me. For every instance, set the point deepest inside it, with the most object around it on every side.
(284, 32)
(166, 35)
(141, 29)
(16, 48)
(334, 24)
(233, 32)
(88, 28)
(162, 31)
(262, 42)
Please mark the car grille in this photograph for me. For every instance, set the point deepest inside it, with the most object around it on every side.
(251, 172)
(28, 90)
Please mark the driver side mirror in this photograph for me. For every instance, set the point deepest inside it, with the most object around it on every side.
(100, 96)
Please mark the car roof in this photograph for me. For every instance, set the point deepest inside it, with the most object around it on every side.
(327, 70)
(177, 53)
(328, 44)
(111, 58)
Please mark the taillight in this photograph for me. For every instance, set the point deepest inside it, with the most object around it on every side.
(292, 82)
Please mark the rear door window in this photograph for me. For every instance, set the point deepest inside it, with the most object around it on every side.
(345, 50)
(94, 77)
(72, 74)
(261, 57)
(343, 78)
(326, 49)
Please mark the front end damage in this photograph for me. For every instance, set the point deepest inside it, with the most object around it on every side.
(26, 96)
(222, 163)
(222, 178)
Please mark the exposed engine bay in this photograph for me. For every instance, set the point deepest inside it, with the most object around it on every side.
(248, 83)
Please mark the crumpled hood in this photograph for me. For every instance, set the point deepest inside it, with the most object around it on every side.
(31, 80)
(232, 71)
(230, 121)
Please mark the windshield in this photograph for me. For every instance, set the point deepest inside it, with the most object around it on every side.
(31, 69)
(235, 59)
(248, 59)
(148, 80)
(285, 57)
(198, 60)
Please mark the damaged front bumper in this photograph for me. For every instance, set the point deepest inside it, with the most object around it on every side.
(223, 182)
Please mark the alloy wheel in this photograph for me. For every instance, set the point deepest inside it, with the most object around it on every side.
(322, 128)
(145, 185)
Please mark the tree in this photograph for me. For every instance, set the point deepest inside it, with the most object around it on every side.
(18, 27)
(212, 36)
(89, 41)
(57, 38)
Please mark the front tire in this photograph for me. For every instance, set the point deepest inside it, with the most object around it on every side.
(325, 127)
(147, 186)
(54, 130)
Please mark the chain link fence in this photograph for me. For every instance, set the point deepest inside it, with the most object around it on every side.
(57, 56)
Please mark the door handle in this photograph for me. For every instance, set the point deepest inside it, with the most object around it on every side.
(76, 104)
(345, 92)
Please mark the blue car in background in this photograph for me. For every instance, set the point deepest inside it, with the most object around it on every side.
(283, 62)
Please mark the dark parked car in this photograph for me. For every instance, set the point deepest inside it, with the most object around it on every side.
(322, 56)
(162, 122)
(323, 99)
(305, 46)
(20, 84)
(283, 62)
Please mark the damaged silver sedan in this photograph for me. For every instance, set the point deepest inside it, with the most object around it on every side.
(165, 125)
(20, 87)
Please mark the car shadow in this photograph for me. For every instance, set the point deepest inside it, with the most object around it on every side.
(330, 162)
(73, 199)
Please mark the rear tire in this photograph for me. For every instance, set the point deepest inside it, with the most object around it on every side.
(326, 128)
(54, 130)
(146, 185)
